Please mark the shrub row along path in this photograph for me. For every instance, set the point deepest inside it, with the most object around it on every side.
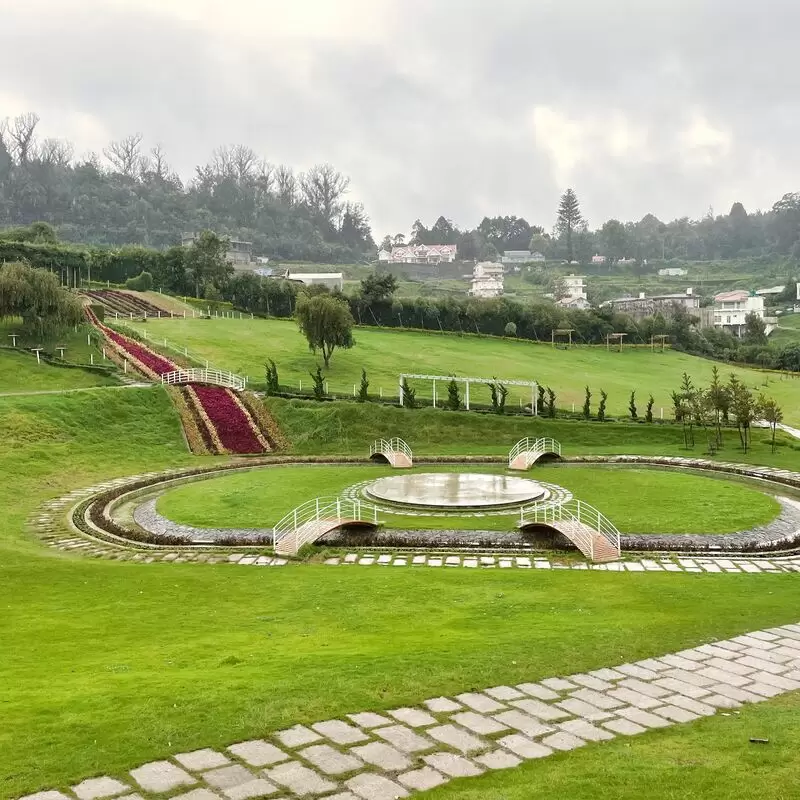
(372, 756)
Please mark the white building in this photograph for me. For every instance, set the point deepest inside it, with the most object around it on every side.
(487, 279)
(598, 259)
(420, 254)
(731, 310)
(673, 272)
(519, 257)
(239, 253)
(575, 292)
(333, 280)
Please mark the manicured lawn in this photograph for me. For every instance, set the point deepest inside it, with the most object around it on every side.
(636, 500)
(711, 759)
(244, 345)
(107, 665)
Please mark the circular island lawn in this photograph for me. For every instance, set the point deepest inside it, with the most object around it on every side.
(635, 499)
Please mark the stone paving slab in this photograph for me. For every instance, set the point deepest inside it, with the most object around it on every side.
(161, 776)
(258, 753)
(97, 788)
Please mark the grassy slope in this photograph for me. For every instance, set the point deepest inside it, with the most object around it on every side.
(344, 427)
(788, 331)
(637, 500)
(19, 372)
(711, 759)
(244, 345)
(109, 664)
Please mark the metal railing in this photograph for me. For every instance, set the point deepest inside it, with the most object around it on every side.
(216, 377)
(577, 520)
(390, 448)
(533, 448)
(312, 519)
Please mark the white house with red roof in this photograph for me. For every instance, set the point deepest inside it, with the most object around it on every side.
(732, 308)
(419, 254)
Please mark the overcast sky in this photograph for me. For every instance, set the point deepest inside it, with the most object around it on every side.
(458, 107)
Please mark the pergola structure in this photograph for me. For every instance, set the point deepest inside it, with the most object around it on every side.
(659, 337)
(615, 337)
(467, 381)
(561, 332)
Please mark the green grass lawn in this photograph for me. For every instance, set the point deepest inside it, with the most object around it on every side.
(243, 346)
(107, 665)
(711, 759)
(636, 500)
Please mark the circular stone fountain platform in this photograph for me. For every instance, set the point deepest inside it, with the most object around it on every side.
(452, 491)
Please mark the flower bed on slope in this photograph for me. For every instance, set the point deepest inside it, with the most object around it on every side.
(233, 425)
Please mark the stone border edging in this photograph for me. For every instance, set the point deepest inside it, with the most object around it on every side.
(77, 536)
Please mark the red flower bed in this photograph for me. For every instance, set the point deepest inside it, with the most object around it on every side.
(159, 364)
(125, 304)
(233, 426)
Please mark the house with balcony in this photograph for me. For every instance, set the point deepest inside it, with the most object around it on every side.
(239, 253)
(732, 308)
(487, 279)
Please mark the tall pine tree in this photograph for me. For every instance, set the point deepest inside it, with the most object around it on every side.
(569, 219)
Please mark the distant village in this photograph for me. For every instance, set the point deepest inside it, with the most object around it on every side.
(728, 311)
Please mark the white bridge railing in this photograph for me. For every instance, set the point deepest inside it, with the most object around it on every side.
(390, 448)
(309, 521)
(579, 521)
(533, 448)
(198, 375)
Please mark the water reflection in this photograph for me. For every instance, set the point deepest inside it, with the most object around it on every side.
(455, 490)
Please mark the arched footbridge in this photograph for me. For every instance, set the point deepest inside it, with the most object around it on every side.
(528, 451)
(394, 451)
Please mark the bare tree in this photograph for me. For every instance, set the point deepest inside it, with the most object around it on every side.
(56, 152)
(322, 188)
(125, 155)
(157, 164)
(285, 185)
(245, 163)
(265, 176)
(21, 133)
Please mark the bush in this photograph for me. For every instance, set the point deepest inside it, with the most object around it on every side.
(143, 282)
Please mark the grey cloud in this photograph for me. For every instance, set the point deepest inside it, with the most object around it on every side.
(431, 111)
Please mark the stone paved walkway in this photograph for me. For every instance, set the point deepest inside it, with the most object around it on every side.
(382, 755)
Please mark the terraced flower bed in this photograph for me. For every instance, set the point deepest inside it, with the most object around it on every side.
(126, 304)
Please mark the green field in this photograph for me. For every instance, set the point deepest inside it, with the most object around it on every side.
(108, 664)
(636, 500)
(243, 346)
(788, 330)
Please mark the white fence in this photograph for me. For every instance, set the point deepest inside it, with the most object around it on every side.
(391, 448)
(309, 521)
(213, 376)
(577, 520)
(533, 449)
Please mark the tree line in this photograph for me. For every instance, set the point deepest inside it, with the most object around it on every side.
(131, 195)
(736, 234)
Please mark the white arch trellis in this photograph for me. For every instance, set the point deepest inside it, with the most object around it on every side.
(467, 381)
